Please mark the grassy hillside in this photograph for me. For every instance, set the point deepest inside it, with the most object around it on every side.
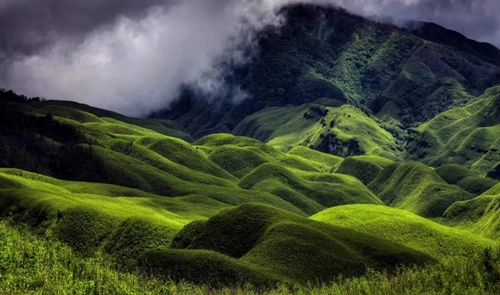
(416, 188)
(93, 217)
(364, 168)
(479, 215)
(466, 135)
(278, 244)
(77, 145)
(406, 228)
(342, 131)
(34, 265)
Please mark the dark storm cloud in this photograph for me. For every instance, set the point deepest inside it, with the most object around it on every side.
(135, 64)
(29, 25)
(133, 55)
(477, 19)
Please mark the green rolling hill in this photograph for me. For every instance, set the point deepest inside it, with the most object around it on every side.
(415, 187)
(133, 183)
(281, 245)
(406, 228)
(365, 160)
(342, 131)
(466, 135)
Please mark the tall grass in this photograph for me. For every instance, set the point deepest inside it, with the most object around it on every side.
(33, 265)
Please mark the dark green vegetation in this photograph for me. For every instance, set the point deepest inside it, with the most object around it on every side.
(328, 54)
(365, 161)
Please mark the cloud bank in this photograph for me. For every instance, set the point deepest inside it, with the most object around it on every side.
(132, 56)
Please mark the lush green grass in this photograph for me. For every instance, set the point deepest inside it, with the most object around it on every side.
(92, 217)
(406, 228)
(32, 265)
(489, 223)
(364, 168)
(308, 191)
(85, 114)
(453, 173)
(329, 162)
(341, 131)
(280, 245)
(417, 188)
(160, 215)
(466, 135)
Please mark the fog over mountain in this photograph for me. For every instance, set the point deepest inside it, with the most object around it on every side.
(133, 56)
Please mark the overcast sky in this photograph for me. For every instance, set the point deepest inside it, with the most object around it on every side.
(132, 55)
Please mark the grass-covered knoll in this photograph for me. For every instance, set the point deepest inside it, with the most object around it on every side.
(406, 228)
(308, 191)
(341, 131)
(272, 241)
(464, 178)
(329, 161)
(364, 168)
(453, 173)
(465, 135)
(416, 188)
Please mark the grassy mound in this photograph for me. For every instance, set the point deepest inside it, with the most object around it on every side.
(329, 161)
(407, 229)
(299, 188)
(417, 188)
(464, 178)
(453, 173)
(236, 160)
(364, 168)
(291, 247)
(476, 185)
(204, 267)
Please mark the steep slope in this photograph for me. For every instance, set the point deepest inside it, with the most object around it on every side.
(467, 136)
(323, 52)
(416, 188)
